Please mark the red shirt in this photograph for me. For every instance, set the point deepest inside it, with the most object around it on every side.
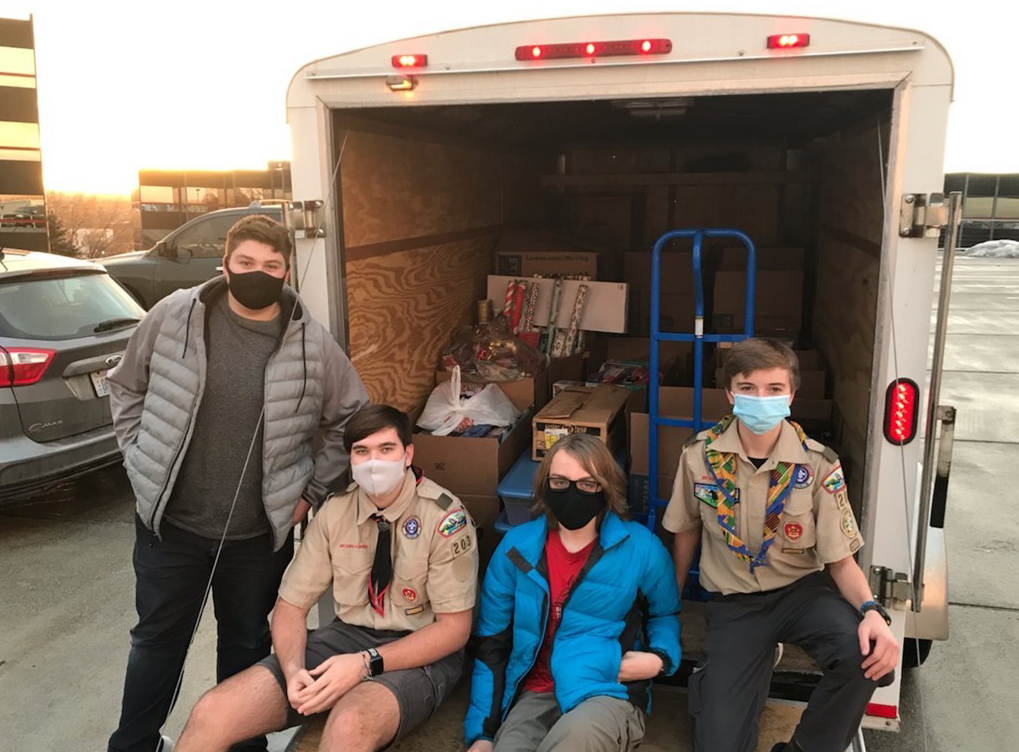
(563, 568)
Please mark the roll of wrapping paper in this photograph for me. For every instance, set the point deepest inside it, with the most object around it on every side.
(518, 306)
(553, 314)
(511, 291)
(574, 328)
(527, 324)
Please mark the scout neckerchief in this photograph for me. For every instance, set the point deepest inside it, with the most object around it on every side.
(381, 575)
(780, 483)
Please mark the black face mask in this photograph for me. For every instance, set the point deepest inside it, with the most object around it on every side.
(255, 290)
(572, 507)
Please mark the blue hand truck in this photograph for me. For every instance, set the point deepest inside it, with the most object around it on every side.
(698, 337)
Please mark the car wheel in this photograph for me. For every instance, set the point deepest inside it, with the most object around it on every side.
(915, 652)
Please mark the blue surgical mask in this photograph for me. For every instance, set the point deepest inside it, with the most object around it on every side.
(761, 414)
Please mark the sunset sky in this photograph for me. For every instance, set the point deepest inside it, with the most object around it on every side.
(202, 85)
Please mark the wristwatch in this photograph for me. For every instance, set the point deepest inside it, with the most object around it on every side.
(873, 605)
(375, 664)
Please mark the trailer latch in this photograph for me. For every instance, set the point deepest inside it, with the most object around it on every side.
(889, 586)
(922, 215)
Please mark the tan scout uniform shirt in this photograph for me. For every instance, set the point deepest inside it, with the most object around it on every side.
(816, 527)
(434, 550)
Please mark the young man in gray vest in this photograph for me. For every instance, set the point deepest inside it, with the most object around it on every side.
(215, 405)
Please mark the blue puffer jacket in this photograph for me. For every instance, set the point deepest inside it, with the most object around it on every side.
(625, 598)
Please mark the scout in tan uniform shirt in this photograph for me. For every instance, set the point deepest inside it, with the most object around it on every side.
(400, 553)
(769, 508)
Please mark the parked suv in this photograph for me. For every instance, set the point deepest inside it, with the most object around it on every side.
(63, 324)
(188, 256)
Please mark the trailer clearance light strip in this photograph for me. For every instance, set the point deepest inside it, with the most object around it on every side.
(594, 49)
(901, 414)
(788, 41)
(410, 61)
(882, 711)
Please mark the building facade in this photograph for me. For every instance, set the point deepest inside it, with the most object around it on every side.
(990, 206)
(22, 198)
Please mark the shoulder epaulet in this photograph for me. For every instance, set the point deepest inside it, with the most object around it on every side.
(825, 451)
(428, 489)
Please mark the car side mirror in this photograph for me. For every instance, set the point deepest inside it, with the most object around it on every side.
(165, 249)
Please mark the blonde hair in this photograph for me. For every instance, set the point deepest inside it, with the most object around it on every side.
(594, 457)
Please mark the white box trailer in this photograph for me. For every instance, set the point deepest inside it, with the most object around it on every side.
(410, 157)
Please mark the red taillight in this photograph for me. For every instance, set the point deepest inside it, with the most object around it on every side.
(591, 49)
(410, 61)
(901, 402)
(788, 41)
(882, 711)
(21, 366)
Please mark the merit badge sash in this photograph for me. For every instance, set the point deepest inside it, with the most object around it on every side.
(780, 484)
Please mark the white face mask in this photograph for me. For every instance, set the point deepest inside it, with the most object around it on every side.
(379, 477)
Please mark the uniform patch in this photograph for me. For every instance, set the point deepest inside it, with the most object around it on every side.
(835, 480)
(444, 501)
(854, 546)
(794, 551)
(409, 594)
(462, 545)
(412, 527)
(804, 476)
(452, 522)
(848, 524)
(793, 531)
(711, 494)
(842, 499)
(413, 611)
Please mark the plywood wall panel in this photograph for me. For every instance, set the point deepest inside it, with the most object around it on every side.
(395, 188)
(403, 307)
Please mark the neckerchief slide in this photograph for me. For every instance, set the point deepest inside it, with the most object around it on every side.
(780, 483)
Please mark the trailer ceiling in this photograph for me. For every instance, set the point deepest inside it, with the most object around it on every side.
(790, 118)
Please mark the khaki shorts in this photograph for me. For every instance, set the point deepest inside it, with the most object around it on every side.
(418, 691)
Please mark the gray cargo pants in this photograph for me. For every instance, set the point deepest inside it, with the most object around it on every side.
(728, 689)
(598, 724)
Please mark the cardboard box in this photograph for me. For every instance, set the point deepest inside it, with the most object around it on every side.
(734, 258)
(474, 466)
(778, 305)
(547, 264)
(675, 271)
(605, 306)
(673, 402)
(674, 358)
(599, 412)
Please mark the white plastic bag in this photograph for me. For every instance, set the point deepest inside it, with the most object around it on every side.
(444, 412)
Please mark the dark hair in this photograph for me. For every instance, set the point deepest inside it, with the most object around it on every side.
(372, 419)
(264, 230)
(596, 458)
(760, 353)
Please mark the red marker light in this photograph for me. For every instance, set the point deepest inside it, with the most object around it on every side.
(410, 61)
(788, 41)
(589, 49)
(901, 411)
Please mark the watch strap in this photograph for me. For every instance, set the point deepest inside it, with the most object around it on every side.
(873, 605)
(375, 663)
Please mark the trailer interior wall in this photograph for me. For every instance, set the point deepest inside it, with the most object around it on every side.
(848, 194)
(426, 191)
(420, 218)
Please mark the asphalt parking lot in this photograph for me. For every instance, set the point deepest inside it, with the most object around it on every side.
(67, 587)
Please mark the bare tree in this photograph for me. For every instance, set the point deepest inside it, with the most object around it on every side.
(98, 225)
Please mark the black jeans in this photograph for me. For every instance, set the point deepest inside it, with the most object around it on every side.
(171, 577)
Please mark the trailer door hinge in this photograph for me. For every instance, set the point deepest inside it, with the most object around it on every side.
(889, 586)
(305, 217)
(923, 215)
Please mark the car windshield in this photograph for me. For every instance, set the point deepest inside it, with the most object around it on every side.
(63, 307)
